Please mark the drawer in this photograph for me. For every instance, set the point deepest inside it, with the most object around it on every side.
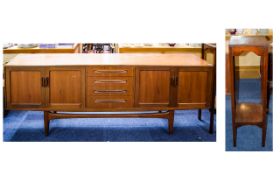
(109, 85)
(109, 101)
(120, 71)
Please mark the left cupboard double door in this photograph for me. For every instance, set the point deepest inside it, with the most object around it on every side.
(53, 88)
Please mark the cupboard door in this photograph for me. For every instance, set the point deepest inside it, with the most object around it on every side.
(66, 88)
(24, 87)
(153, 86)
(194, 87)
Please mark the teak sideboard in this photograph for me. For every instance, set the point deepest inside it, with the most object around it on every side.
(61, 83)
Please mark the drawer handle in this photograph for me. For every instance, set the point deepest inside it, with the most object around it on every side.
(111, 71)
(109, 91)
(110, 81)
(110, 101)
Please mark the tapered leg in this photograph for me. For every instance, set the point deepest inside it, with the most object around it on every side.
(46, 122)
(211, 126)
(234, 131)
(6, 112)
(263, 135)
(199, 114)
(270, 79)
(269, 89)
(170, 122)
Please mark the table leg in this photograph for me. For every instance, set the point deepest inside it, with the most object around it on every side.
(46, 122)
(170, 121)
(263, 134)
(269, 90)
(211, 126)
(199, 114)
(234, 131)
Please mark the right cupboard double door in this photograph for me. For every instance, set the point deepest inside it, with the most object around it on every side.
(181, 87)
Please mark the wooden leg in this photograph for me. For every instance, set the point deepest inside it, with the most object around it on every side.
(263, 135)
(211, 126)
(6, 112)
(269, 89)
(46, 122)
(234, 131)
(170, 122)
(199, 114)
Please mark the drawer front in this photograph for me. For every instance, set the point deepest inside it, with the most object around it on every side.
(109, 85)
(120, 71)
(109, 101)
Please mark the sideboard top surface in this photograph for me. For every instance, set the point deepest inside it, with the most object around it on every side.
(189, 60)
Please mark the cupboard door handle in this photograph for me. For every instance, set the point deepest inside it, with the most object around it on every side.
(46, 81)
(111, 71)
(109, 91)
(110, 81)
(110, 101)
(172, 81)
(176, 81)
(43, 82)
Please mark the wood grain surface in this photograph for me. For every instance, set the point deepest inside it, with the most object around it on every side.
(107, 59)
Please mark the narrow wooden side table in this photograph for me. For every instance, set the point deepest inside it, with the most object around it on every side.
(249, 113)
(206, 48)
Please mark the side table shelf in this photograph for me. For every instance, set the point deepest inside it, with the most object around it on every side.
(248, 114)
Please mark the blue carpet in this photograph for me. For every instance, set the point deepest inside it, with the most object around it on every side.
(249, 138)
(28, 126)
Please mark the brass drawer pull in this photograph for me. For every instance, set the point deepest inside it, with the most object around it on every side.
(109, 91)
(110, 81)
(110, 101)
(111, 71)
